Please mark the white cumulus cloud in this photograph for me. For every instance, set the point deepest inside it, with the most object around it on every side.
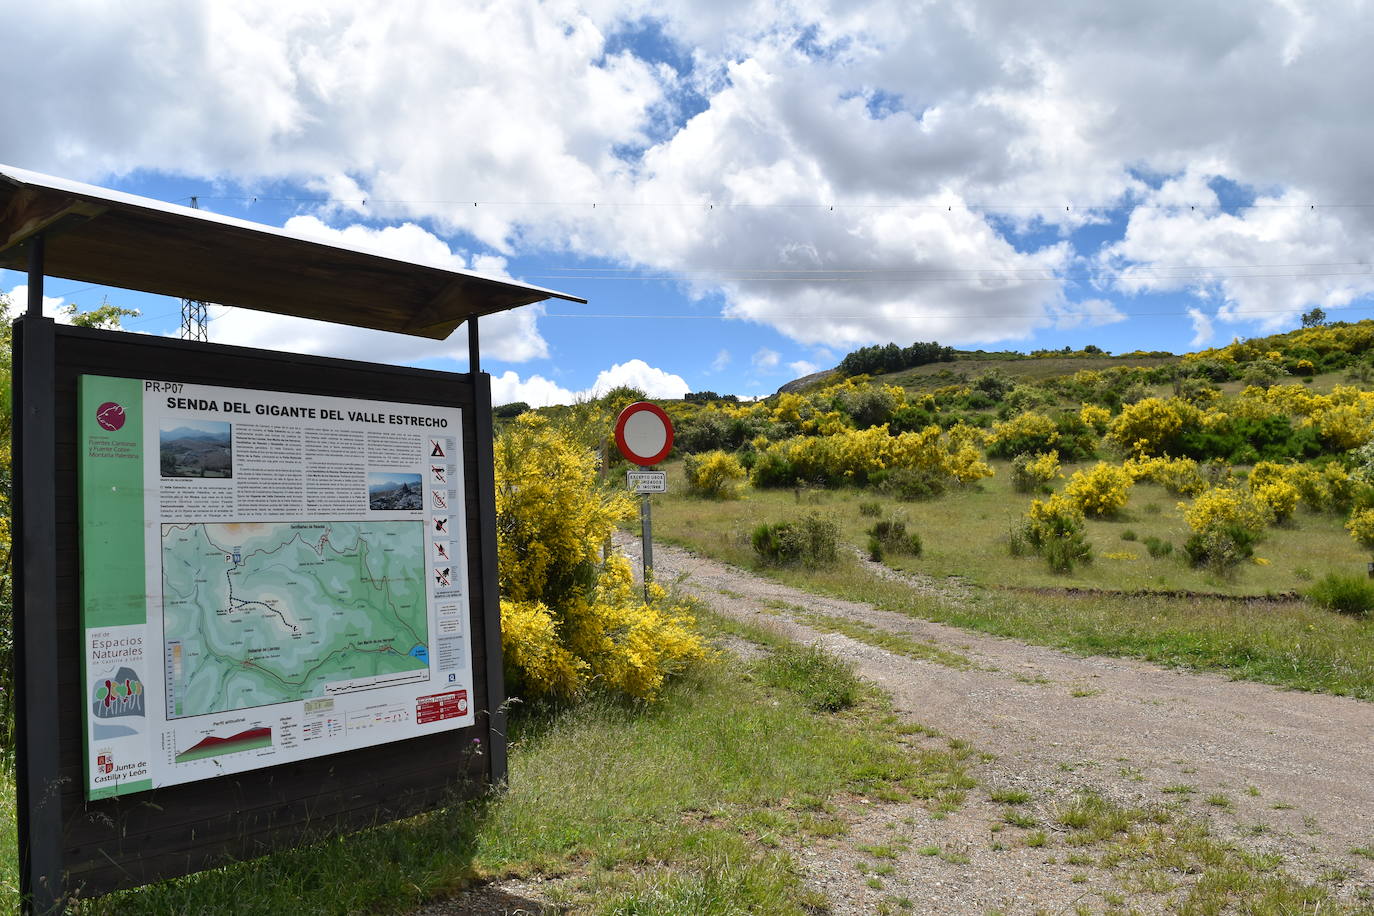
(538, 391)
(1202, 328)
(1266, 263)
(766, 359)
(19, 303)
(656, 383)
(844, 172)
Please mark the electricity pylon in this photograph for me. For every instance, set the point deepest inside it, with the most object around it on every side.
(193, 317)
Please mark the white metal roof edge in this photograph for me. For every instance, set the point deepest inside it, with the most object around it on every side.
(95, 192)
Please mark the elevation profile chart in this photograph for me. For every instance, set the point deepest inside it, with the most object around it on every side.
(213, 746)
(266, 577)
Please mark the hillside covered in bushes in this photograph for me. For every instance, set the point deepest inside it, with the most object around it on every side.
(1242, 436)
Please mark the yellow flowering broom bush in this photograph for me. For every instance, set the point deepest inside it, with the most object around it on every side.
(1222, 506)
(1279, 497)
(571, 621)
(1361, 528)
(1030, 473)
(1027, 432)
(1054, 529)
(853, 455)
(1101, 491)
(1099, 418)
(1271, 485)
(1152, 426)
(1227, 522)
(1180, 476)
(1323, 488)
(715, 474)
(536, 660)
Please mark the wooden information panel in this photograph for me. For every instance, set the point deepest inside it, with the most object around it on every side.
(241, 706)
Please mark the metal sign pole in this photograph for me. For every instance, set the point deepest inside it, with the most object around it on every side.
(646, 535)
(644, 435)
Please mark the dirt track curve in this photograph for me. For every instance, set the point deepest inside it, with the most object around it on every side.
(1296, 769)
(1269, 770)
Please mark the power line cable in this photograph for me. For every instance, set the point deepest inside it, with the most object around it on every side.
(919, 316)
(1089, 270)
(1047, 277)
(828, 207)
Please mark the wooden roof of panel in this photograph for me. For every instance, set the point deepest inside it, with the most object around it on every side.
(95, 235)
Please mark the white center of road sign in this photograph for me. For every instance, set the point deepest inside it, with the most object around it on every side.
(647, 481)
(645, 433)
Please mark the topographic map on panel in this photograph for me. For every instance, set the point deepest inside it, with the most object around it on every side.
(263, 613)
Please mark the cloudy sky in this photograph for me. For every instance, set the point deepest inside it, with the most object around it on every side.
(743, 191)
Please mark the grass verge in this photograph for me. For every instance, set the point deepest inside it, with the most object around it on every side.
(9, 838)
(882, 639)
(681, 806)
(1291, 644)
(965, 533)
(1151, 851)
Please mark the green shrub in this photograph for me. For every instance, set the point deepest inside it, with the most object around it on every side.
(778, 543)
(510, 411)
(908, 484)
(1343, 592)
(875, 549)
(1262, 373)
(1077, 437)
(868, 405)
(871, 510)
(824, 682)
(772, 470)
(1241, 440)
(1221, 547)
(892, 535)
(1064, 552)
(712, 429)
(822, 540)
(1128, 535)
(812, 541)
(1158, 547)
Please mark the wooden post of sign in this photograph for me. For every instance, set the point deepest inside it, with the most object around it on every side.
(36, 641)
(647, 537)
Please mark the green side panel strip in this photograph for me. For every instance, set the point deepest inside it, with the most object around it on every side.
(110, 469)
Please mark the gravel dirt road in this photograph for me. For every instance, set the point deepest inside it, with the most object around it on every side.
(1268, 770)
(1287, 772)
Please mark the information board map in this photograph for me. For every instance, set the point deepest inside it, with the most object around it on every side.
(266, 577)
(258, 614)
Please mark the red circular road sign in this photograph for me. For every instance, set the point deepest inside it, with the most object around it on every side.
(643, 433)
